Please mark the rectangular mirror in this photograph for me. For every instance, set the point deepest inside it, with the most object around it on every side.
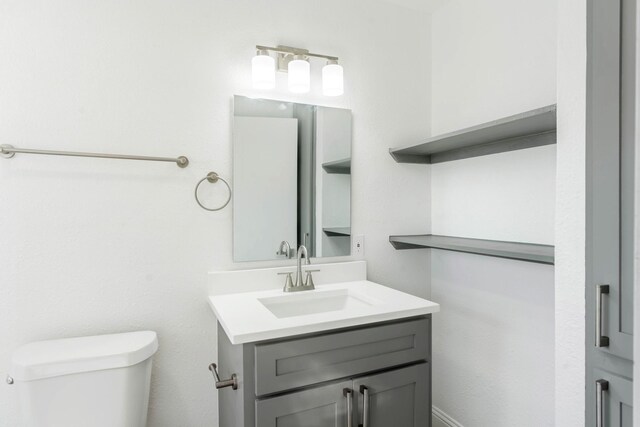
(291, 180)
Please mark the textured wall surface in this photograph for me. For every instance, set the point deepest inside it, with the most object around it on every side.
(97, 246)
(570, 214)
(494, 338)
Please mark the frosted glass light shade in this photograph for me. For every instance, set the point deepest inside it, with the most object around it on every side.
(263, 71)
(299, 76)
(332, 80)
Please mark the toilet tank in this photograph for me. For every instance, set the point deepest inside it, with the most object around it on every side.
(95, 381)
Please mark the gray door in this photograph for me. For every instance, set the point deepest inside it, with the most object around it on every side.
(324, 406)
(399, 398)
(610, 169)
(610, 209)
(614, 400)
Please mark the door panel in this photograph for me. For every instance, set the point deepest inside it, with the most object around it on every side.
(605, 157)
(610, 204)
(399, 398)
(324, 406)
(300, 362)
(616, 399)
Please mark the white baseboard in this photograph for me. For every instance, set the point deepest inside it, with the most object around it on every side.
(441, 419)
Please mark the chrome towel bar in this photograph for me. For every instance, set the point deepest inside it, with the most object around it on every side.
(231, 382)
(8, 151)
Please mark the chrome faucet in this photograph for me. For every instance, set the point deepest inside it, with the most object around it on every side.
(284, 249)
(300, 284)
(302, 250)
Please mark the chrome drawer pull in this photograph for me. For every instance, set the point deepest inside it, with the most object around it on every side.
(601, 387)
(348, 394)
(601, 340)
(365, 406)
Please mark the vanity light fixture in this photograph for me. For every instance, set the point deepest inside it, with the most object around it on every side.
(263, 70)
(299, 71)
(295, 62)
(332, 79)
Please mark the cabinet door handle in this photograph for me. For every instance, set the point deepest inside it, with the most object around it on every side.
(601, 340)
(365, 406)
(348, 394)
(601, 387)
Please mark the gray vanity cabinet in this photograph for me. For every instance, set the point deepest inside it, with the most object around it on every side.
(323, 379)
(396, 398)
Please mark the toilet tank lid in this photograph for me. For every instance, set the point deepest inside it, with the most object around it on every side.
(45, 359)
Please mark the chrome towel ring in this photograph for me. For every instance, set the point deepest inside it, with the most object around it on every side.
(213, 178)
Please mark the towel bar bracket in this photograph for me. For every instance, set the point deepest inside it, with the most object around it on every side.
(6, 154)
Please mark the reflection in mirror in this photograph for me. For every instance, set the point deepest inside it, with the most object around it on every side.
(291, 179)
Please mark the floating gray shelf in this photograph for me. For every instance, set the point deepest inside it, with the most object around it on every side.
(337, 231)
(342, 166)
(526, 130)
(543, 254)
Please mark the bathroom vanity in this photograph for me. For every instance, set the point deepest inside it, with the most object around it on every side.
(346, 354)
(325, 379)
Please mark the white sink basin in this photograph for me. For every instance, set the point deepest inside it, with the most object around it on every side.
(307, 303)
(264, 315)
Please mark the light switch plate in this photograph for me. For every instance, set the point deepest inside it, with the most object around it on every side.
(358, 246)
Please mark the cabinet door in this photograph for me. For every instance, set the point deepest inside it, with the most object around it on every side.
(399, 398)
(615, 402)
(324, 406)
(610, 170)
(610, 203)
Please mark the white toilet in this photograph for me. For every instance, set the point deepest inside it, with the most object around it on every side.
(96, 381)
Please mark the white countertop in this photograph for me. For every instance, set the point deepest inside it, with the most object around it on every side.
(246, 319)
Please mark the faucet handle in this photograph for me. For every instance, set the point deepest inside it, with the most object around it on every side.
(288, 281)
(308, 280)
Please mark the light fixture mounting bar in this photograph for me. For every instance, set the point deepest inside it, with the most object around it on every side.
(288, 50)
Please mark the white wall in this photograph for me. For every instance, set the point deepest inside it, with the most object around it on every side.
(570, 214)
(494, 338)
(493, 342)
(96, 246)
